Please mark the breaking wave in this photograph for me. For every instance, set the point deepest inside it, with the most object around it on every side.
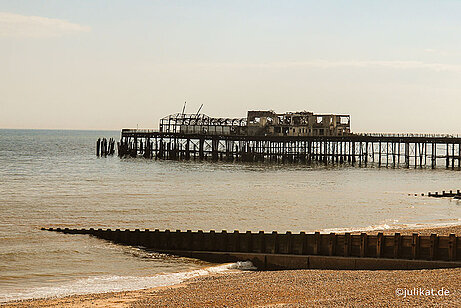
(104, 284)
(394, 224)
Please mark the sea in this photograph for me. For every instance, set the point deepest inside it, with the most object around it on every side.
(53, 178)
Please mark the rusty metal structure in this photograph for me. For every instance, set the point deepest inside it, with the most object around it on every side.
(259, 123)
(202, 124)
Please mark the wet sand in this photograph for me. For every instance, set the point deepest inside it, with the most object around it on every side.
(290, 288)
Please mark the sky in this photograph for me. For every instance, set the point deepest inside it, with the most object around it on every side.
(394, 66)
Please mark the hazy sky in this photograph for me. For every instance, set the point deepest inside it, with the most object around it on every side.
(395, 66)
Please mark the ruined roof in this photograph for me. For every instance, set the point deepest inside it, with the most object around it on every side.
(178, 116)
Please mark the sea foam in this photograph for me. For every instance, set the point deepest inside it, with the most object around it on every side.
(394, 224)
(104, 284)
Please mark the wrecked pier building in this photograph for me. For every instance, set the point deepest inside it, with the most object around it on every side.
(304, 123)
(259, 123)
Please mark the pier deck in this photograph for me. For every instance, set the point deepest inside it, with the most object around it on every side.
(382, 150)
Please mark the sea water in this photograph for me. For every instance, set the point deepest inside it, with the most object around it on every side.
(52, 178)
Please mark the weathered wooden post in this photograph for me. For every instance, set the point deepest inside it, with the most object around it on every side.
(236, 242)
(98, 146)
(353, 153)
(379, 245)
(304, 244)
(433, 156)
(212, 241)
(214, 148)
(397, 245)
(225, 240)
(347, 244)
(317, 243)
(434, 246)
(289, 243)
(274, 240)
(452, 247)
(407, 155)
(331, 244)
(188, 149)
(201, 146)
(249, 241)
(363, 244)
(414, 245)
(262, 242)
(447, 162)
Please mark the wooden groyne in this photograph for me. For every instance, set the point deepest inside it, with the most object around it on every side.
(288, 250)
(381, 150)
(444, 194)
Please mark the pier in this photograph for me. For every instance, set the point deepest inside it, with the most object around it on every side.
(294, 251)
(362, 150)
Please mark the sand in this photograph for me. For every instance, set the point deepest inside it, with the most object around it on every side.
(290, 288)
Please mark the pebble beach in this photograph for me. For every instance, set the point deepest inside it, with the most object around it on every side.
(290, 288)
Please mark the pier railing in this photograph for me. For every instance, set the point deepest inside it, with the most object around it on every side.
(139, 130)
(406, 135)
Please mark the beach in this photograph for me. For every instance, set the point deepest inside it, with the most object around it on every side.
(290, 288)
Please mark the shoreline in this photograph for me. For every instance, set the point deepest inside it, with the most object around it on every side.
(238, 280)
(403, 229)
(423, 230)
